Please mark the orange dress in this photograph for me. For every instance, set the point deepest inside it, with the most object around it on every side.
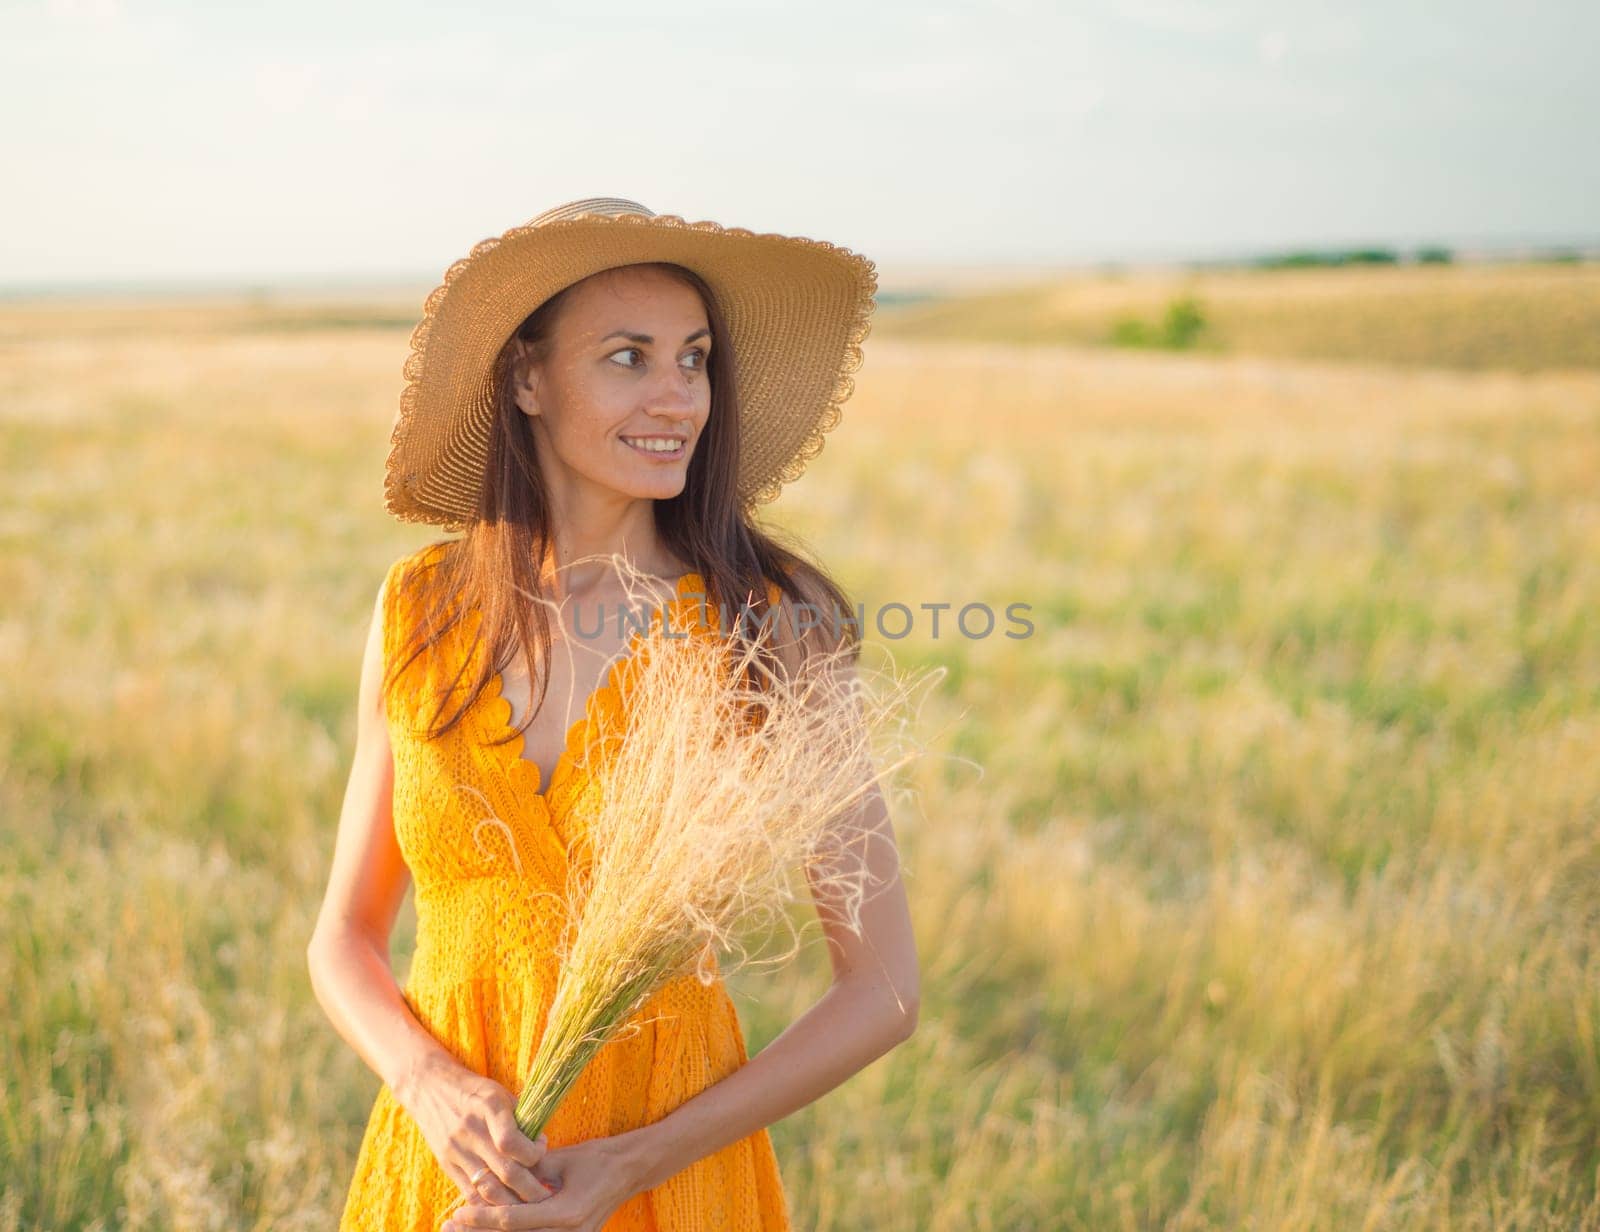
(488, 850)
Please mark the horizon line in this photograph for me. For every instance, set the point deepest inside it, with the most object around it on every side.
(890, 269)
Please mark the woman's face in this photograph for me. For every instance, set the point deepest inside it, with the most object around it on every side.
(624, 376)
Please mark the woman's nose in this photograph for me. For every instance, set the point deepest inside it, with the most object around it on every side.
(674, 392)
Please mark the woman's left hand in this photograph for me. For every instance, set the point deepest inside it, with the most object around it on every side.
(591, 1180)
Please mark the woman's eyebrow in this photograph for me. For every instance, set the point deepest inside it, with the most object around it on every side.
(646, 339)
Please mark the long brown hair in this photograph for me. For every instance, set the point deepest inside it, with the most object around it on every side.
(496, 561)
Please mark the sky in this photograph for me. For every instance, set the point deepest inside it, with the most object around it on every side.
(289, 141)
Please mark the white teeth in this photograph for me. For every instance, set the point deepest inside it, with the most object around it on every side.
(654, 446)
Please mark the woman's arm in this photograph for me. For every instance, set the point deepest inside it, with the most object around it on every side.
(348, 955)
(467, 1120)
(870, 1007)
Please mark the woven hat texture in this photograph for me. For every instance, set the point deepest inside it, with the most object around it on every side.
(797, 311)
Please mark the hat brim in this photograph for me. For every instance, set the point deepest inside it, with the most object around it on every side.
(796, 309)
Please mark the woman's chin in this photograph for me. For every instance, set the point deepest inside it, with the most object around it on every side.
(648, 487)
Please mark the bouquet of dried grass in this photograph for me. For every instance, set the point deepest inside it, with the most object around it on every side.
(694, 823)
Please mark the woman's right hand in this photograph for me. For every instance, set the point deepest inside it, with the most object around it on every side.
(469, 1122)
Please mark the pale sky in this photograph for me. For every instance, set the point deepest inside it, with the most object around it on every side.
(162, 141)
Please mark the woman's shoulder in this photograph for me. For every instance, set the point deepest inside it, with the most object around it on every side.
(404, 571)
(401, 598)
(809, 619)
(792, 586)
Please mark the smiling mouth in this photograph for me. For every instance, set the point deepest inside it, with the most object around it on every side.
(668, 448)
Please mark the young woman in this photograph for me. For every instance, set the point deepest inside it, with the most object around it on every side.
(600, 381)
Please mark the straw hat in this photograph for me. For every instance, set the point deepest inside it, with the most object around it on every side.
(797, 311)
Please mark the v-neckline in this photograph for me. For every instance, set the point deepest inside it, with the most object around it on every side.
(512, 742)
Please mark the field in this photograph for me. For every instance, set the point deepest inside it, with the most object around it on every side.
(1525, 318)
(1258, 888)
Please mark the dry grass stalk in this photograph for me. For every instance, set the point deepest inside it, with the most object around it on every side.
(689, 831)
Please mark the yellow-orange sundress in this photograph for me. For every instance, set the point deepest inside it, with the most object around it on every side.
(484, 969)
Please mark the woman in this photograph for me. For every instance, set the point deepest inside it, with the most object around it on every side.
(601, 381)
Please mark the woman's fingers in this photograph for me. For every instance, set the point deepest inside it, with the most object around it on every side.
(488, 1185)
(479, 1176)
(461, 1167)
(507, 1183)
(509, 1139)
(472, 1217)
(514, 1157)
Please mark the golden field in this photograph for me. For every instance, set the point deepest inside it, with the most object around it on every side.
(1523, 318)
(1258, 888)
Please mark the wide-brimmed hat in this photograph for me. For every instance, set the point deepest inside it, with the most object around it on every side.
(796, 310)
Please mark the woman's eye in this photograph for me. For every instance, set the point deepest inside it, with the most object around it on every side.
(697, 355)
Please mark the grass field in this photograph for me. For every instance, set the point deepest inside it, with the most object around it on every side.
(1524, 318)
(1275, 905)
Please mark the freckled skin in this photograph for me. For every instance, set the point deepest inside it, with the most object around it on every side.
(591, 391)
